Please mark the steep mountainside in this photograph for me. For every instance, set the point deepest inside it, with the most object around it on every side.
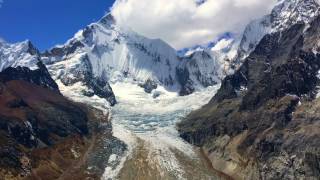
(106, 53)
(264, 123)
(222, 52)
(200, 69)
(42, 134)
(285, 14)
(21, 61)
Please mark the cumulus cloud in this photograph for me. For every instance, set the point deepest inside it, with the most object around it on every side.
(184, 23)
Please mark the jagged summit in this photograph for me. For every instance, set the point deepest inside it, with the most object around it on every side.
(107, 20)
(109, 53)
(289, 12)
(285, 14)
(22, 54)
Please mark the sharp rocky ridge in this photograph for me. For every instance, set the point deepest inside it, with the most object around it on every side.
(22, 61)
(284, 15)
(231, 51)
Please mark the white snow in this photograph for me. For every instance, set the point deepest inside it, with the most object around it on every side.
(14, 55)
(222, 44)
(116, 54)
(75, 92)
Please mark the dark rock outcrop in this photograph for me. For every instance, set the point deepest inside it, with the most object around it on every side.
(149, 86)
(39, 76)
(263, 121)
(185, 82)
(66, 50)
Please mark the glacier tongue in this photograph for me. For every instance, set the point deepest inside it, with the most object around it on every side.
(141, 120)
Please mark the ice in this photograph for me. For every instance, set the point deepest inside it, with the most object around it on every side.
(153, 120)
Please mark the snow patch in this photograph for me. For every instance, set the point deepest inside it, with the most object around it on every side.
(222, 44)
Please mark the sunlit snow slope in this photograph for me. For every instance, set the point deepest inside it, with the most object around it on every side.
(108, 53)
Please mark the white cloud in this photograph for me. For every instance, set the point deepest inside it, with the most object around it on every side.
(183, 23)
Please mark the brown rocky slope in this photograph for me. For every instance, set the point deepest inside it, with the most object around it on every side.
(42, 134)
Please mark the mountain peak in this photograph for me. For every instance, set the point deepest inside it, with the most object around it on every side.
(107, 20)
(22, 54)
(289, 12)
(284, 15)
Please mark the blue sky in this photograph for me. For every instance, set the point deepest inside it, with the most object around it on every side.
(48, 22)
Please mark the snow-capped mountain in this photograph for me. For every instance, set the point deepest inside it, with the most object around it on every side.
(22, 54)
(285, 14)
(200, 69)
(21, 61)
(230, 52)
(116, 53)
(221, 51)
(107, 53)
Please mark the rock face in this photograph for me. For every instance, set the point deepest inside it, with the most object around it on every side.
(263, 122)
(149, 86)
(38, 76)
